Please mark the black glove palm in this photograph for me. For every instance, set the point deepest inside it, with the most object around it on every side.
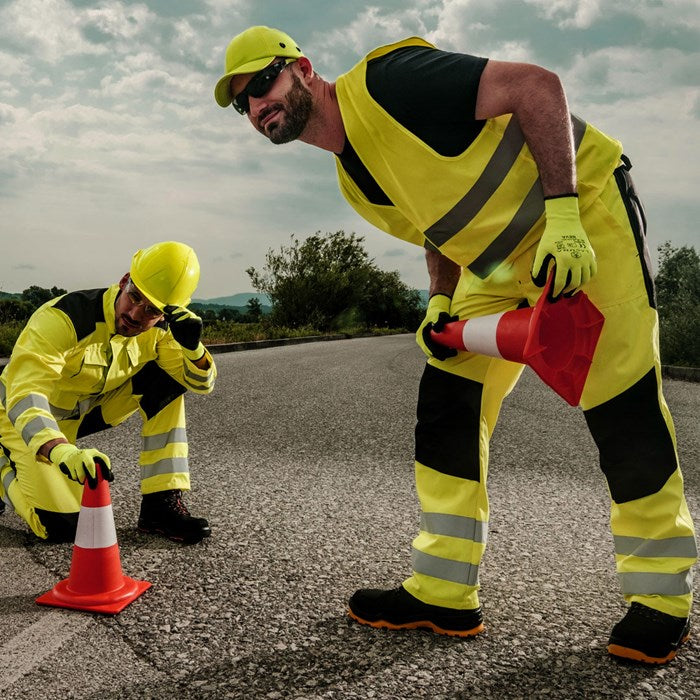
(185, 326)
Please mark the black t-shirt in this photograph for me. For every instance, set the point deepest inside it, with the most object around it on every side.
(431, 93)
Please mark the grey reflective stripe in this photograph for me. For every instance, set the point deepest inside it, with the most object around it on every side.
(64, 413)
(199, 381)
(3, 393)
(454, 526)
(36, 425)
(505, 243)
(445, 569)
(669, 547)
(29, 401)
(6, 481)
(491, 178)
(483, 189)
(636, 583)
(156, 442)
(173, 465)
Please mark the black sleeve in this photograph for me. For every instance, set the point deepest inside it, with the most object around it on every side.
(430, 92)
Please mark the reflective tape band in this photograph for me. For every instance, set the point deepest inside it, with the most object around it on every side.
(198, 379)
(36, 425)
(479, 335)
(3, 393)
(95, 527)
(445, 569)
(484, 188)
(643, 583)
(684, 547)
(173, 465)
(507, 240)
(157, 442)
(29, 401)
(454, 526)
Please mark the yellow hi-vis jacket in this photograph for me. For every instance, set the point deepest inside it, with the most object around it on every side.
(68, 354)
(477, 207)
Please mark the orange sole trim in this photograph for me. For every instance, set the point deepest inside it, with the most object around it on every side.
(422, 624)
(636, 655)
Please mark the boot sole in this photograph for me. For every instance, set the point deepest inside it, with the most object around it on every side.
(419, 624)
(636, 655)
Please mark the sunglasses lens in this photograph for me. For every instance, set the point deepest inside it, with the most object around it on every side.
(258, 86)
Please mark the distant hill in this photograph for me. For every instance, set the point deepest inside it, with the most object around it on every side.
(240, 299)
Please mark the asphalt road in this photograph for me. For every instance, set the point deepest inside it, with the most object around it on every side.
(302, 461)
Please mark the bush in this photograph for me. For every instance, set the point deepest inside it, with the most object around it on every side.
(9, 332)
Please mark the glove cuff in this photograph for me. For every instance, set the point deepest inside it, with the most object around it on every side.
(196, 354)
(440, 302)
(564, 207)
(57, 459)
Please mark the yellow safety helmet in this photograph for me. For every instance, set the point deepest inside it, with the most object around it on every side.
(167, 273)
(251, 51)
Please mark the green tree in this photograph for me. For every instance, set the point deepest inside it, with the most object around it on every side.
(254, 310)
(15, 310)
(329, 281)
(315, 281)
(37, 296)
(678, 300)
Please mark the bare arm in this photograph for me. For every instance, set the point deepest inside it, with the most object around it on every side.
(444, 274)
(536, 97)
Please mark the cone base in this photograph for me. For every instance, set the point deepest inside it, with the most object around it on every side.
(109, 603)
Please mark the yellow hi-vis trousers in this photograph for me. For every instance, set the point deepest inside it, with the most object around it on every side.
(459, 402)
(29, 485)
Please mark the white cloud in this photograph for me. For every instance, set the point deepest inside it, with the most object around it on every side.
(49, 28)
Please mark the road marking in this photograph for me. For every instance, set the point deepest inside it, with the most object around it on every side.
(26, 650)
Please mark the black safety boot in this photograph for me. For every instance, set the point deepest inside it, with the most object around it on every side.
(397, 609)
(648, 635)
(2, 506)
(164, 513)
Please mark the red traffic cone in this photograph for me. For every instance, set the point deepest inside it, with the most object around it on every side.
(556, 339)
(96, 582)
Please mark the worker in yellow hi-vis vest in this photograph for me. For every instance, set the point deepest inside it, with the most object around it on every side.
(480, 162)
(85, 362)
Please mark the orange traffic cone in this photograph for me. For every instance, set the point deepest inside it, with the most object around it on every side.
(556, 339)
(96, 582)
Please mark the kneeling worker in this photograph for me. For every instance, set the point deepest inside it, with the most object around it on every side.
(85, 362)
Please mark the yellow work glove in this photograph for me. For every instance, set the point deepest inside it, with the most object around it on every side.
(186, 328)
(79, 465)
(566, 244)
(436, 316)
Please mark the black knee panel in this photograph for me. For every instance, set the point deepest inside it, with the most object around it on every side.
(637, 454)
(156, 388)
(92, 422)
(61, 527)
(447, 432)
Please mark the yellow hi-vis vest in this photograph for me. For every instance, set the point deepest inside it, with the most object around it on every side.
(476, 208)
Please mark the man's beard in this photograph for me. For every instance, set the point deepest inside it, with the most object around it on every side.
(297, 114)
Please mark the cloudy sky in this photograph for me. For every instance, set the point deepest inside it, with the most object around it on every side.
(110, 138)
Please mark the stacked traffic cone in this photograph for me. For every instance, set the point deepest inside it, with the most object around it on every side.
(96, 582)
(556, 339)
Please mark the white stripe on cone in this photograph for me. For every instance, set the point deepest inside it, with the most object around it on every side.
(479, 335)
(95, 528)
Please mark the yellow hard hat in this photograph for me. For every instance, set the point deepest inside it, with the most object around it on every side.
(251, 51)
(167, 273)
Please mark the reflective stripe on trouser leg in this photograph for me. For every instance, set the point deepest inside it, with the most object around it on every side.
(630, 421)
(456, 417)
(163, 460)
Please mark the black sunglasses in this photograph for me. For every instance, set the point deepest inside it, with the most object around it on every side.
(258, 86)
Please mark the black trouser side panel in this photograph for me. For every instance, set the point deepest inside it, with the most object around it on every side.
(447, 432)
(637, 454)
(156, 387)
(92, 422)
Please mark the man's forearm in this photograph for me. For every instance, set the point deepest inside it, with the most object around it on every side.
(444, 274)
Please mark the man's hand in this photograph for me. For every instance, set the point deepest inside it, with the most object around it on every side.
(566, 244)
(436, 316)
(186, 328)
(79, 465)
